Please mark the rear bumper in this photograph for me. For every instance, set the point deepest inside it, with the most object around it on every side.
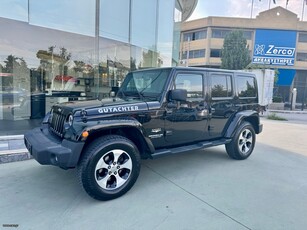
(48, 150)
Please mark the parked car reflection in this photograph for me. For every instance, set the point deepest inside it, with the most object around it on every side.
(222, 109)
(13, 96)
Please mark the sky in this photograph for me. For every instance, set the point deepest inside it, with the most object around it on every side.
(242, 8)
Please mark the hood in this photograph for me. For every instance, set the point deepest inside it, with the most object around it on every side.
(105, 106)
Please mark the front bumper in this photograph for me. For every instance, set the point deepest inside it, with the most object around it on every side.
(48, 150)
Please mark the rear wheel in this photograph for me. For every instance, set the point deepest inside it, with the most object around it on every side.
(243, 142)
(109, 167)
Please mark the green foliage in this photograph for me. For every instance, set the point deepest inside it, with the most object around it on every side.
(235, 53)
(218, 91)
(18, 67)
(273, 116)
(277, 99)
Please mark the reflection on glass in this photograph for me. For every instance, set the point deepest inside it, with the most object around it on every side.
(221, 86)
(192, 83)
(114, 20)
(73, 16)
(165, 32)
(143, 23)
(56, 57)
(246, 86)
(14, 9)
(146, 85)
(35, 61)
(114, 64)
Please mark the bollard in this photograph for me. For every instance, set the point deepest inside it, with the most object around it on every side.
(293, 102)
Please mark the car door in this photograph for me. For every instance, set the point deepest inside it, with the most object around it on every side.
(222, 104)
(187, 121)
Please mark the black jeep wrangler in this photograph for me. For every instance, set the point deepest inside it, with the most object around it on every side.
(155, 112)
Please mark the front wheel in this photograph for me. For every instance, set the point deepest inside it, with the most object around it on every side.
(109, 167)
(243, 142)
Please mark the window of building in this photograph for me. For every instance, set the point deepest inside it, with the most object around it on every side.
(119, 28)
(215, 53)
(165, 31)
(143, 15)
(222, 33)
(246, 86)
(62, 47)
(9, 10)
(221, 85)
(193, 83)
(247, 34)
(301, 57)
(77, 17)
(302, 37)
(196, 35)
(193, 54)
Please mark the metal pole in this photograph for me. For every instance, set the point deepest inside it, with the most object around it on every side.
(303, 9)
(304, 95)
(269, 4)
(188, 53)
(252, 7)
(96, 51)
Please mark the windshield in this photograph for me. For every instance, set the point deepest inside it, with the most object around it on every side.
(147, 84)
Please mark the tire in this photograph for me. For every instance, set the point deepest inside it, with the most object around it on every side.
(243, 142)
(109, 167)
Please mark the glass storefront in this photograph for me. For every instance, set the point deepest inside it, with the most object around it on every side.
(58, 51)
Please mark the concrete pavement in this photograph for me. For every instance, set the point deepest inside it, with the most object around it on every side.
(197, 190)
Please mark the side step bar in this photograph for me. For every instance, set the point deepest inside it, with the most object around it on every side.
(201, 145)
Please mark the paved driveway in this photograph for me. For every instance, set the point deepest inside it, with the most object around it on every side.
(197, 190)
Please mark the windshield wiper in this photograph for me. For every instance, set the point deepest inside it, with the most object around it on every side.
(146, 87)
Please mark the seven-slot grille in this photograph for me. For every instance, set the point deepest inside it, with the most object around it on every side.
(57, 122)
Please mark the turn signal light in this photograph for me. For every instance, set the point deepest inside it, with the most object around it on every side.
(85, 134)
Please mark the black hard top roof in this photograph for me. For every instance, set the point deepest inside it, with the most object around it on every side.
(182, 68)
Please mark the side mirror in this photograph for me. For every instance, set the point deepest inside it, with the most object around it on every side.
(178, 95)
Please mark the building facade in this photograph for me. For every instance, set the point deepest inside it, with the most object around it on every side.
(60, 50)
(276, 39)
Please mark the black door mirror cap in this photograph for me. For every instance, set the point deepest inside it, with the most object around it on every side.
(178, 95)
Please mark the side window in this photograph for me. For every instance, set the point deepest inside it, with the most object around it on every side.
(193, 83)
(221, 85)
(246, 86)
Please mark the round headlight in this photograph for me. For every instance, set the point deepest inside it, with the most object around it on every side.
(70, 119)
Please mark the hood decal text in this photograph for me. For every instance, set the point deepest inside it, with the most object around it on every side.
(118, 109)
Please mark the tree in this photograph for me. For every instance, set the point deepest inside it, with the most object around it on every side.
(235, 53)
(18, 67)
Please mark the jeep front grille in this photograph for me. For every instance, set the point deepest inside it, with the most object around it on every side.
(57, 123)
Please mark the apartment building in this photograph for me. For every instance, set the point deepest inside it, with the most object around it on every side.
(277, 39)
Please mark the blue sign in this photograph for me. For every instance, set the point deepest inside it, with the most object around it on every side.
(275, 47)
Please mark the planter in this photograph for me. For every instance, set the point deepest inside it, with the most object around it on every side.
(277, 106)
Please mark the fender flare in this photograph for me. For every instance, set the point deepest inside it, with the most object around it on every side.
(112, 124)
(250, 116)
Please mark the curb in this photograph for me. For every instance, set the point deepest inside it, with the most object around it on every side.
(12, 155)
(287, 111)
(18, 155)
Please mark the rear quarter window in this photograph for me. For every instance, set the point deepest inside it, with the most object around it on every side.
(221, 86)
(246, 86)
